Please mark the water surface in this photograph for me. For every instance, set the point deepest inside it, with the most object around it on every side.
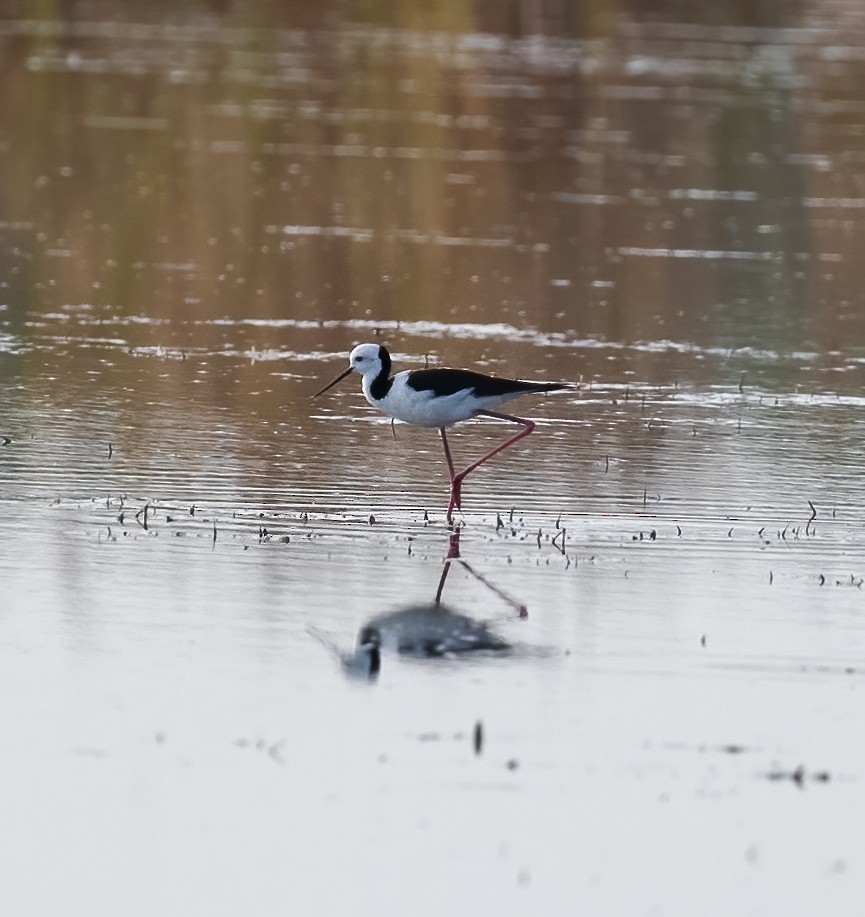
(201, 213)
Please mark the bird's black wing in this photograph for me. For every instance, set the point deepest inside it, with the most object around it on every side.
(450, 381)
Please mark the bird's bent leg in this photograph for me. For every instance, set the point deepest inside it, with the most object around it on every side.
(457, 479)
(519, 608)
(528, 425)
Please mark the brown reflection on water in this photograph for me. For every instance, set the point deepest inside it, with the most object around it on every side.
(631, 178)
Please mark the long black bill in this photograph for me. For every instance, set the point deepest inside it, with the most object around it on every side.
(339, 378)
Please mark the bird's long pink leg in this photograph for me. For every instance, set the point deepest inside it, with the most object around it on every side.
(447, 452)
(457, 479)
(455, 489)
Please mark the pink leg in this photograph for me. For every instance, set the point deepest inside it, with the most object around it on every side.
(447, 452)
(518, 607)
(453, 554)
(457, 479)
(455, 488)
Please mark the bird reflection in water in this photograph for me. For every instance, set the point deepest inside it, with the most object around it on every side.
(428, 631)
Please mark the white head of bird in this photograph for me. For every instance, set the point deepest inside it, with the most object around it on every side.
(369, 360)
(372, 361)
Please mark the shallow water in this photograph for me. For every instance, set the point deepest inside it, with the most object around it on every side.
(200, 217)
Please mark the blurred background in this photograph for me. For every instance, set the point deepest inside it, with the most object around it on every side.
(615, 170)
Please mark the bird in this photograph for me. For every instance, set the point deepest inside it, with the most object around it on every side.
(440, 398)
(420, 631)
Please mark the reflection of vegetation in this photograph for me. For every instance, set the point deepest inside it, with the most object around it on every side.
(445, 166)
(748, 13)
(750, 142)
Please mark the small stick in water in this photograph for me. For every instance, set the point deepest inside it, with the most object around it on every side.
(562, 534)
(813, 517)
(143, 510)
(479, 737)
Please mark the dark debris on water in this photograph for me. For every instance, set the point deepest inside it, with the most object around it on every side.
(800, 776)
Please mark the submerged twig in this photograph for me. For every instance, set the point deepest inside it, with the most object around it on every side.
(813, 517)
(144, 510)
(562, 534)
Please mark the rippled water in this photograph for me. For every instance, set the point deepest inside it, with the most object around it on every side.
(201, 214)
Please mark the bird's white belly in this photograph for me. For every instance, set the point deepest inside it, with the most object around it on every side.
(427, 410)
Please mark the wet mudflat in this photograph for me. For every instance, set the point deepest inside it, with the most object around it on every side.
(227, 685)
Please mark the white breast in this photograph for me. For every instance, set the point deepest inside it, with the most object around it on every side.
(424, 408)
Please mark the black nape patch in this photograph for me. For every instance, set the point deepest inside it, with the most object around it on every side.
(380, 386)
(384, 357)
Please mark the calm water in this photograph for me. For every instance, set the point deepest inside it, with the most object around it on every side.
(201, 213)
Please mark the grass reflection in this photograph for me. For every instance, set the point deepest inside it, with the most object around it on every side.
(246, 163)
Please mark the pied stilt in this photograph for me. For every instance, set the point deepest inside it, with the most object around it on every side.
(440, 398)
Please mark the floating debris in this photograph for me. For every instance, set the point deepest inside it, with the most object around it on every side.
(800, 776)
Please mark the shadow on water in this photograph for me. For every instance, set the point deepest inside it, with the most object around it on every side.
(426, 631)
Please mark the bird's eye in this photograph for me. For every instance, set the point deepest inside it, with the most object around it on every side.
(359, 359)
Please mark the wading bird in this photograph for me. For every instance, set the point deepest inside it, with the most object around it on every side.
(439, 398)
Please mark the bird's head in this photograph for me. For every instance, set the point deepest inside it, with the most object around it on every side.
(367, 359)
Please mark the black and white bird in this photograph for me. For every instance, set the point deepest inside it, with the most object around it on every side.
(423, 632)
(440, 398)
